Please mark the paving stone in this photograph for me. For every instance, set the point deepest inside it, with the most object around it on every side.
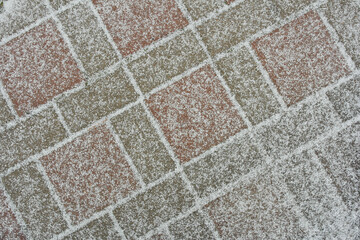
(340, 156)
(296, 127)
(167, 61)
(229, 1)
(301, 51)
(56, 4)
(195, 113)
(29, 193)
(201, 8)
(88, 39)
(248, 85)
(89, 173)
(160, 235)
(138, 23)
(288, 7)
(237, 24)
(29, 137)
(346, 98)
(317, 198)
(97, 100)
(224, 166)
(5, 113)
(101, 228)
(19, 14)
(257, 208)
(153, 207)
(9, 226)
(37, 66)
(143, 144)
(344, 16)
(191, 227)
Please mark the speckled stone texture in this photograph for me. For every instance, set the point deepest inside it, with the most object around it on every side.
(179, 119)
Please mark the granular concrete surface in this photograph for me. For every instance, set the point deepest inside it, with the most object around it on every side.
(180, 119)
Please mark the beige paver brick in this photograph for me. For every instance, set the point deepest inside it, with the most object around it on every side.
(29, 193)
(5, 113)
(248, 85)
(165, 62)
(105, 95)
(346, 98)
(288, 7)
(143, 144)
(101, 228)
(88, 39)
(201, 8)
(149, 209)
(29, 137)
(237, 24)
(224, 166)
(56, 4)
(19, 14)
(191, 227)
(344, 16)
(296, 127)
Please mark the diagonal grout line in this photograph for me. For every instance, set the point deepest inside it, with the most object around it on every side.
(16, 212)
(53, 192)
(127, 157)
(8, 101)
(61, 118)
(116, 224)
(266, 77)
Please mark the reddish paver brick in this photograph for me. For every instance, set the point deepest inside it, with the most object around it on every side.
(195, 113)
(257, 208)
(9, 227)
(29, 193)
(301, 57)
(37, 66)
(89, 173)
(138, 23)
(229, 1)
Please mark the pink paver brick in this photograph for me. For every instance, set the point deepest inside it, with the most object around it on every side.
(89, 173)
(138, 23)
(37, 66)
(195, 113)
(301, 57)
(9, 227)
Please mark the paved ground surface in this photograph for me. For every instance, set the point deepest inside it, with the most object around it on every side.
(180, 119)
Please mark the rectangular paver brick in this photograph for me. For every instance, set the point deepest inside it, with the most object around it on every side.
(97, 100)
(344, 16)
(56, 4)
(29, 137)
(29, 193)
(237, 24)
(138, 23)
(9, 226)
(89, 173)
(149, 209)
(301, 57)
(288, 7)
(5, 113)
(101, 228)
(248, 85)
(257, 208)
(195, 113)
(191, 227)
(19, 14)
(201, 8)
(340, 156)
(143, 144)
(37, 66)
(224, 166)
(297, 127)
(88, 39)
(346, 98)
(315, 195)
(165, 62)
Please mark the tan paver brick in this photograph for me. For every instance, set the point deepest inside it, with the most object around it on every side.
(32, 198)
(29, 137)
(56, 4)
(201, 8)
(143, 144)
(5, 113)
